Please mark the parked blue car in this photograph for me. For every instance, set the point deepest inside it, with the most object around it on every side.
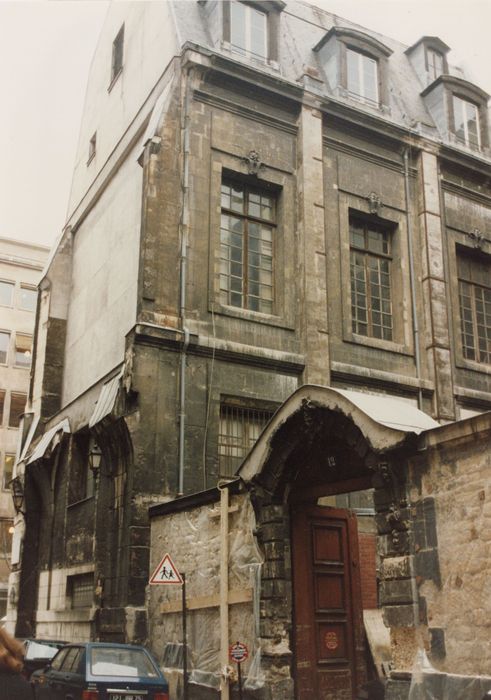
(100, 671)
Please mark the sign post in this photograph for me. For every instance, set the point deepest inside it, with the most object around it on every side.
(238, 653)
(166, 574)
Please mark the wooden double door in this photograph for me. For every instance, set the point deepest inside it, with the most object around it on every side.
(329, 640)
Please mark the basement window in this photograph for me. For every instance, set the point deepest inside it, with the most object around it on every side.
(80, 590)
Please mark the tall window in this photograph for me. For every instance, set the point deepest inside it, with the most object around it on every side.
(248, 30)
(240, 427)
(466, 118)
(28, 298)
(4, 347)
(2, 405)
(435, 63)
(370, 257)
(23, 348)
(246, 250)
(117, 55)
(17, 408)
(475, 307)
(362, 76)
(6, 293)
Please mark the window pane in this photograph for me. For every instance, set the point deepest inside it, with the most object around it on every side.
(475, 310)
(238, 26)
(370, 79)
(122, 662)
(466, 120)
(17, 408)
(240, 282)
(8, 470)
(6, 293)
(4, 347)
(371, 307)
(28, 298)
(23, 347)
(258, 32)
(353, 61)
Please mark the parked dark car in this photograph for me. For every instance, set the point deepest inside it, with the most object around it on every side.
(38, 652)
(100, 671)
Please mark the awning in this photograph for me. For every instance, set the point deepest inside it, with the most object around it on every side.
(49, 441)
(384, 421)
(107, 399)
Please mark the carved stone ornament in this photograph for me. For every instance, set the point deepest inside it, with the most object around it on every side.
(253, 162)
(476, 237)
(375, 203)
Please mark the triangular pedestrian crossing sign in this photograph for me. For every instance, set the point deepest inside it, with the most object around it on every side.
(166, 573)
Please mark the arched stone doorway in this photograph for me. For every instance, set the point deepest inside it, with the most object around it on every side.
(321, 447)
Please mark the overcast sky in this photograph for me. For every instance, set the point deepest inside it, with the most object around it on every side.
(45, 52)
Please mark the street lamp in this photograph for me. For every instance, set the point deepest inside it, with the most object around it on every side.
(17, 494)
(95, 457)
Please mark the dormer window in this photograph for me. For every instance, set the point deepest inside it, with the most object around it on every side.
(355, 65)
(435, 64)
(466, 122)
(459, 110)
(362, 76)
(248, 30)
(251, 28)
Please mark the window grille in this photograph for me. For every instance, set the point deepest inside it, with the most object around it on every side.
(240, 427)
(371, 303)
(81, 590)
(246, 247)
(475, 308)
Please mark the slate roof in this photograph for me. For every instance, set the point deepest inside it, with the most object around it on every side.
(302, 26)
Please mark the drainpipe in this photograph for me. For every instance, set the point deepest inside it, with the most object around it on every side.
(224, 622)
(184, 228)
(417, 358)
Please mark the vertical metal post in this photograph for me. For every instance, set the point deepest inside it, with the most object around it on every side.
(224, 632)
(184, 640)
(239, 677)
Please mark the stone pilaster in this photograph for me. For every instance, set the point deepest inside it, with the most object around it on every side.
(312, 301)
(436, 327)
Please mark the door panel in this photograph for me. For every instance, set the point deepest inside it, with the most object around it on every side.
(328, 618)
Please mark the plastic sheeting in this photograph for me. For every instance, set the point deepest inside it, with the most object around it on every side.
(427, 683)
(198, 555)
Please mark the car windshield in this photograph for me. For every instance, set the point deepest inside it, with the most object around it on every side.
(41, 650)
(106, 661)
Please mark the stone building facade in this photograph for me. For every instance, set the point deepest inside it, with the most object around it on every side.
(265, 196)
(21, 264)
